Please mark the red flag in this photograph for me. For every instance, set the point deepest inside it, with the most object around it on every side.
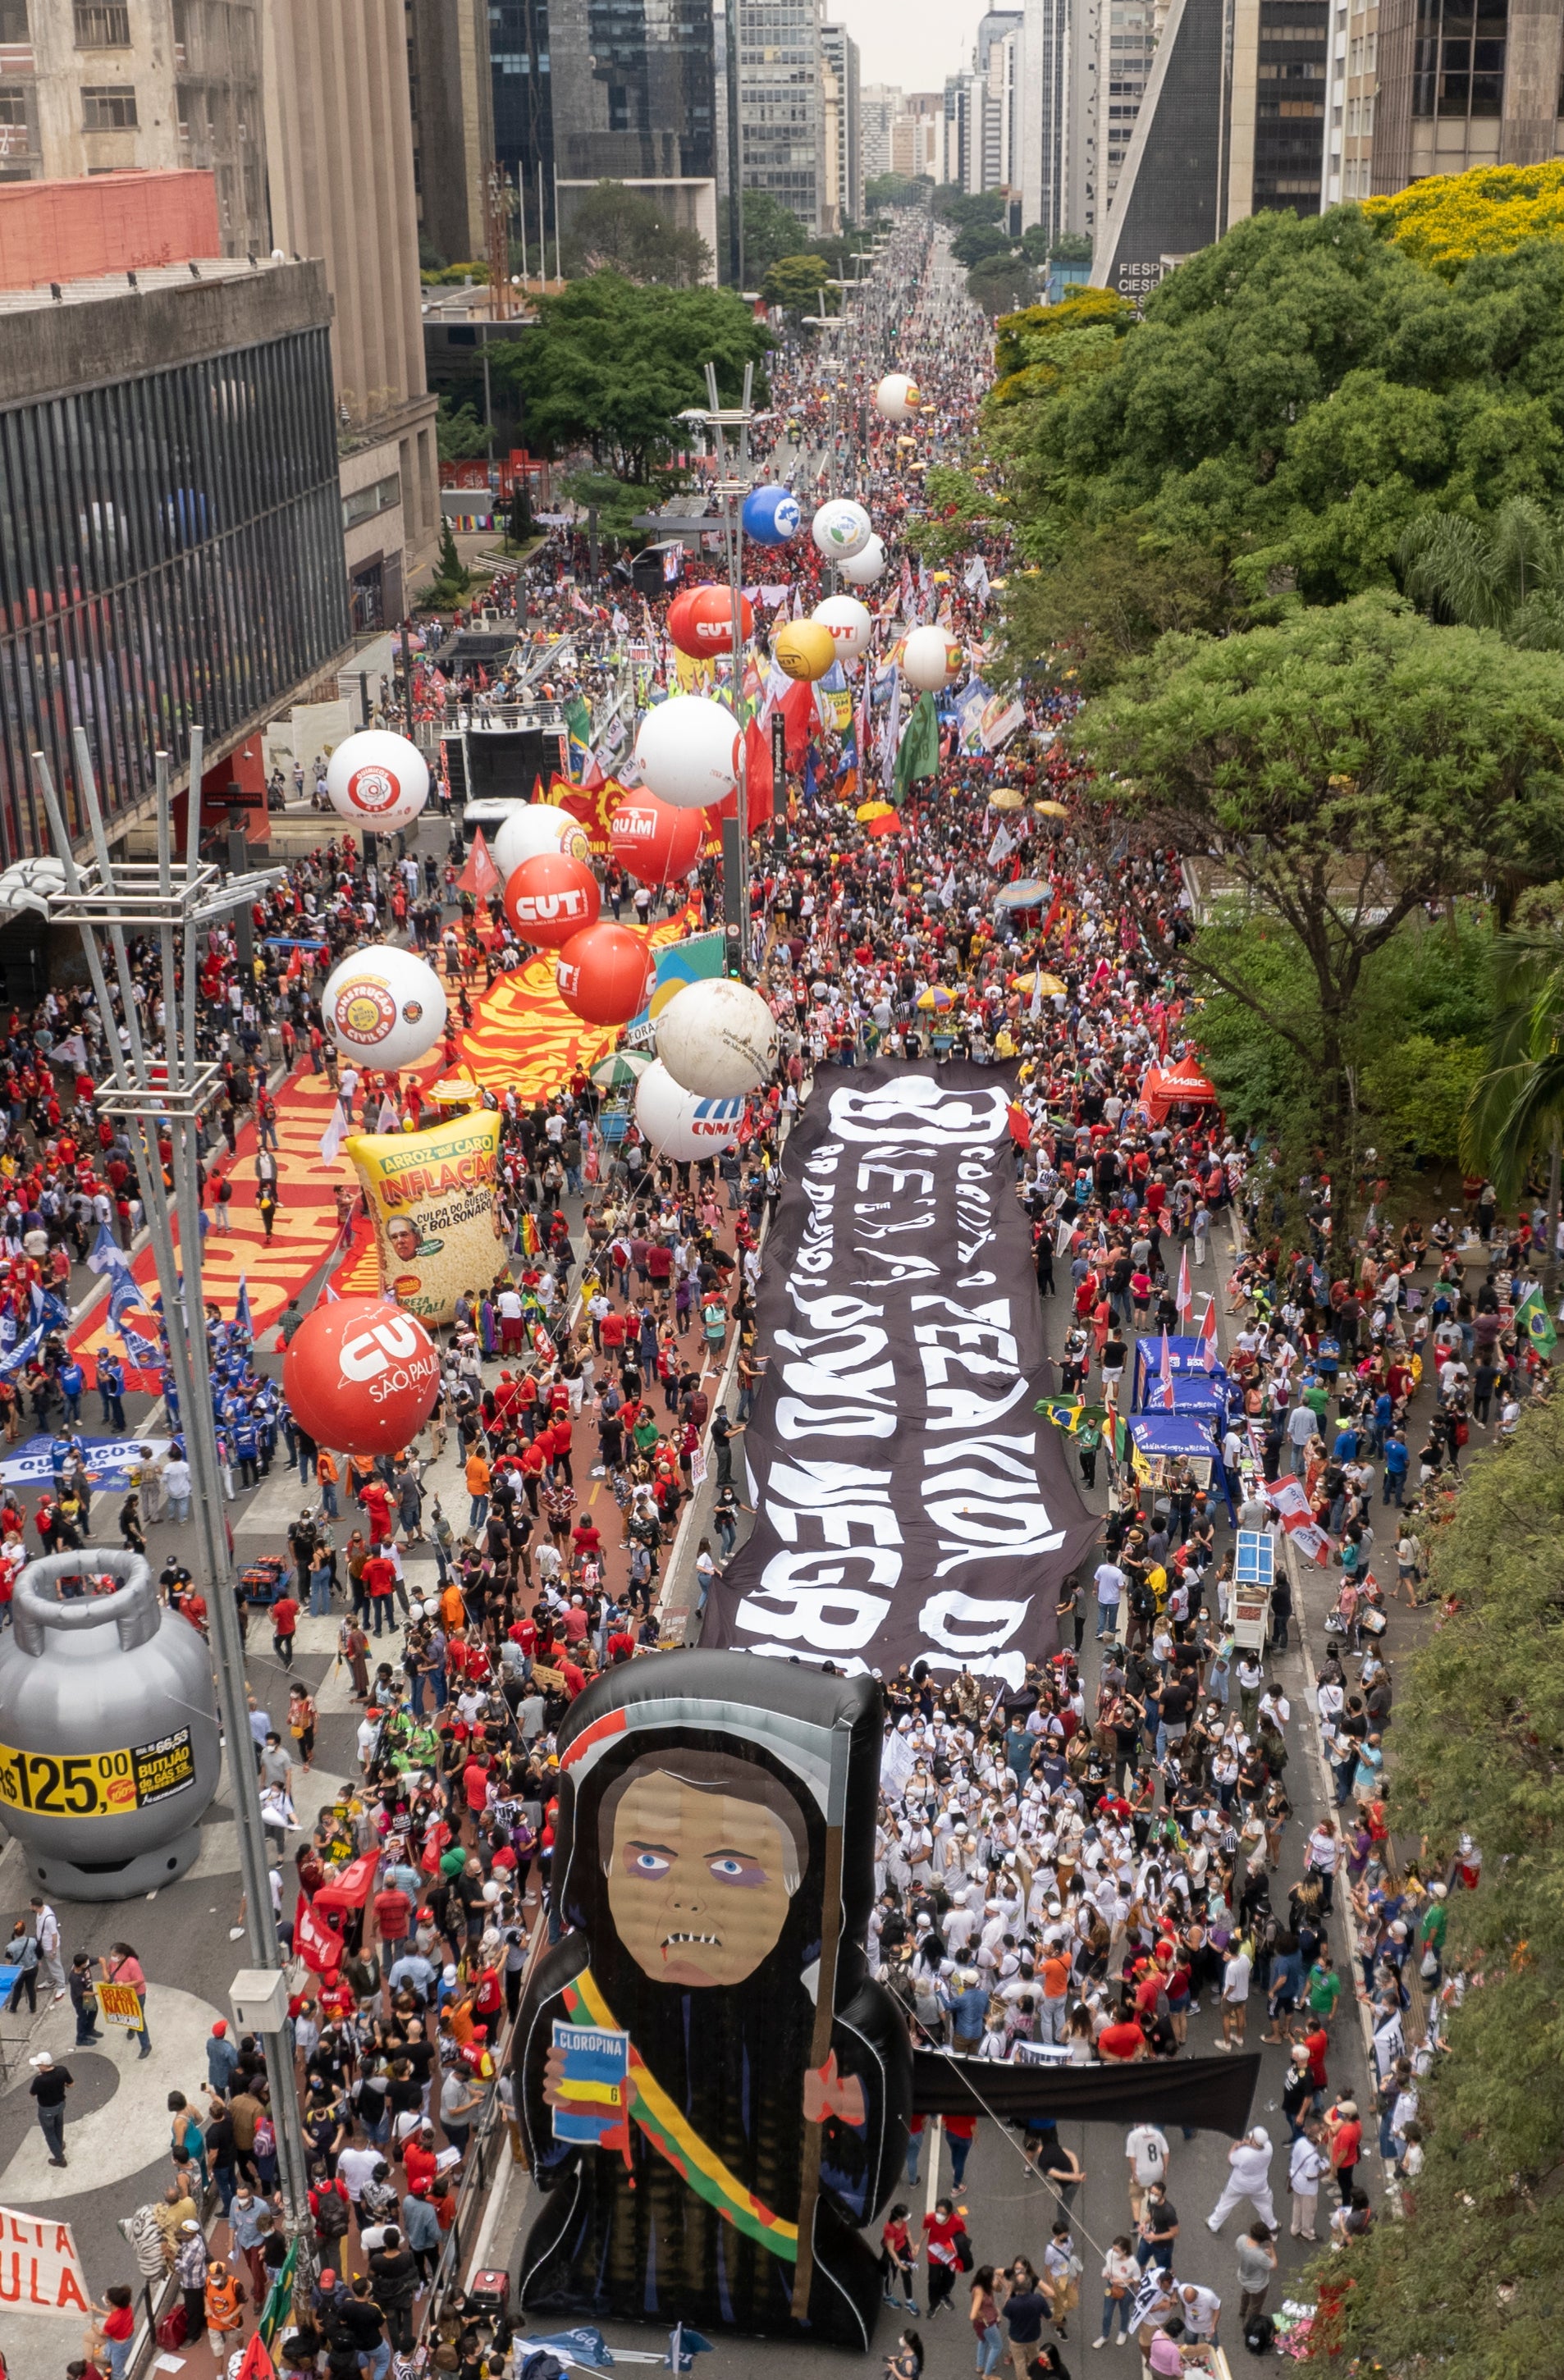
(1166, 1373)
(296, 963)
(1184, 1300)
(1208, 1336)
(758, 781)
(479, 877)
(798, 709)
(1020, 1123)
(320, 1948)
(257, 2364)
(594, 775)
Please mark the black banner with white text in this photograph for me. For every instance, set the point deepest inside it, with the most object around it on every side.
(910, 1503)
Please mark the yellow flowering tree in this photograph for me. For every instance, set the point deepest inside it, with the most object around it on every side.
(1446, 218)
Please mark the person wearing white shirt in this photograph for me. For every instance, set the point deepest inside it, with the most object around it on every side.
(1147, 2152)
(1248, 2176)
(1307, 2168)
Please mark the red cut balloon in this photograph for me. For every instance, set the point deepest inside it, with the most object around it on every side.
(361, 1376)
(550, 897)
(701, 621)
(606, 974)
(675, 618)
(653, 842)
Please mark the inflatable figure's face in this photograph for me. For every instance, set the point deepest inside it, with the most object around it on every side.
(698, 1883)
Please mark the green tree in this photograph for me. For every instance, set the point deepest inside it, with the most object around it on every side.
(1110, 599)
(610, 366)
(883, 190)
(1467, 2288)
(1001, 283)
(1300, 392)
(1041, 349)
(1034, 244)
(1343, 768)
(1507, 573)
(616, 501)
(616, 229)
(978, 240)
(452, 581)
(1515, 1113)
(521, 527)
(770, 230)
(1071, 248)
(961, 207)
(459, 436)
(797, 283)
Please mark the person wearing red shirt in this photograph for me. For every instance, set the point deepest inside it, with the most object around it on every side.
(1121, 2041)
(1317, 2041)
(285, 1620)
(376, 1502)
(380, 1584)
(475, 1783)
(419, 2161)
(573, 1675)
(393, 1919)
(560, 1436)
(586, 1536)
(575, 1622)
(620, 1646)
(535, 1462)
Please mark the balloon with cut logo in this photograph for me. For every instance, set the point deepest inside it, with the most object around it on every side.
(653, 842)
(701, 621)
(361, 1376)
(897, 399)
(803, 649)
(688, 751)
(383, 1007)
(605, 973)
(718, 1038)
(550, 897)
(377, 779)
(931, 659)
(861, 569)
(535, 827)
(842, 528)
(682, 1125)
(848, 623)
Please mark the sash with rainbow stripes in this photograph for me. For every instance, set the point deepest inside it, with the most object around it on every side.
(674, 2138)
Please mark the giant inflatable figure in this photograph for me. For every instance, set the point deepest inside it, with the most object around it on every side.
(714, 2090)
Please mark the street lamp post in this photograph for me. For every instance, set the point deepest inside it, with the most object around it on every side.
(729, 427)
(169, 1088)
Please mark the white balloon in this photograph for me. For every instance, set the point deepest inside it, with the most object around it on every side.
(687, 748)
(718, 1038)
(677, 1123)
(377, 779)
(28, 883)
(897, 399)
(842, 528)
(540, 827)
(385, 1007)
(930, 659)
(862, 569)
(850, 623)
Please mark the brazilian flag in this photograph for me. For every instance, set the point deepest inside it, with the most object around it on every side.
(1533, 1318)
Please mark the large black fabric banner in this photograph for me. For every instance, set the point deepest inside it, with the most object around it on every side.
(910, 1505)
(1215, 2093)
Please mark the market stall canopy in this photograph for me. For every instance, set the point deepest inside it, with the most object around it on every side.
(1026, 892)
(1167, 1087)
(620, 1071)
(1046, 985)
(1184, 1355)
(1007, 798)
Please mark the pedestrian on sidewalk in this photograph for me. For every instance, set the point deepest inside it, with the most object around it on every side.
(1257, 2264)
(46, 1926)
(1248, 2176)
(47, 2090)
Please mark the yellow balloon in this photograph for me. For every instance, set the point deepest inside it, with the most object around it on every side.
(804, 650)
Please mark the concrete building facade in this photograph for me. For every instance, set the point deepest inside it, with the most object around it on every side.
(781, 105)
(839, 62)
(879, 104)
(451, 99)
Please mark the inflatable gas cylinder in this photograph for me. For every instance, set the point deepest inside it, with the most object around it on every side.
(109, 1750)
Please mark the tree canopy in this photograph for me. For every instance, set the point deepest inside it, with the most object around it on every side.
(895, 190)
(797, 282)
(1345, 769)
(610, 365)
(1468, 2287)
(770, 230)
(613, 228)
(1295, 396)
(1448, 217)
(1001, 281)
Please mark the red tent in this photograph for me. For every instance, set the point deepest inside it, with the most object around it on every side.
(1167, 1087)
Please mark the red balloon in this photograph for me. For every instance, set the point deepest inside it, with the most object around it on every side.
(653, 842)
(701, 621)
(361, 1376)
(550, 897)
(606, 973)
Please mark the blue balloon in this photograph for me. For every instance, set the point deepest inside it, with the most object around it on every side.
(771, 516)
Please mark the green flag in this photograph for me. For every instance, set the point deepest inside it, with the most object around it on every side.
(577, 718)
(918, 753)
(279, 2297)
(1532, 1317)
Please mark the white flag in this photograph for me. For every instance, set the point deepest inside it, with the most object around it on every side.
(334, 1135)
(388, 1120)
(975, 580)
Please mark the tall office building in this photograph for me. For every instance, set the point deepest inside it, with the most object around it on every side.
(1042, 113)
(115, 86)
(1420, 87)
(838, 53)
(781, 105)
(450, 91)
(918, 135)
(621, 90)
(1133, 29)
(879, 104)
(340, 175)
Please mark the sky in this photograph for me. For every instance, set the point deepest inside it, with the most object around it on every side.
(914, 43)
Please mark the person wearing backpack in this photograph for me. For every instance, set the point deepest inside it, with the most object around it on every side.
(331, 2209)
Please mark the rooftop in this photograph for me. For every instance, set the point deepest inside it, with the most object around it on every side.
(146, 280)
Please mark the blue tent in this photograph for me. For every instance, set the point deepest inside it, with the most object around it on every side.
(1183, 1355)
(1168, 1434)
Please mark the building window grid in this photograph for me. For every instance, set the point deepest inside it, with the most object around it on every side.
(1459, 59)
(109, 107)
(102, 24)
(123, 659)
